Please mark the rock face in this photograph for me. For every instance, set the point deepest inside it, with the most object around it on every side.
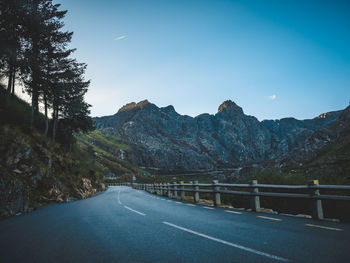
(328, 147)
(35, 172)
(162, 138)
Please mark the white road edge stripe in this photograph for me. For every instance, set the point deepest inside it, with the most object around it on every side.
(228, 243)
(119, 197)
(134, 210)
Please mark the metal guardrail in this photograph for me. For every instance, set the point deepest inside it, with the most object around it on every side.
(178, 190)
(121, 184)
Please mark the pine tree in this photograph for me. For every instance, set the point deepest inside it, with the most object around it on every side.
(12, 13)
(43, 24)
(68, 102)
(35, 45)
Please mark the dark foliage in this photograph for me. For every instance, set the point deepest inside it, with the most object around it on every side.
(34, 52)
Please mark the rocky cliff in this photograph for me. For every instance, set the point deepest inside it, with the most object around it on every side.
(161, 138)
(326, 152)
(33, 170)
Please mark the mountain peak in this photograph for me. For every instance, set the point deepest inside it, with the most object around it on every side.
(133, 105)
(229, 106)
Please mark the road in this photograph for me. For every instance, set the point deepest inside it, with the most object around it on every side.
(127, 225)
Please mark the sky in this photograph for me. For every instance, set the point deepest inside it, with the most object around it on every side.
(275, 59)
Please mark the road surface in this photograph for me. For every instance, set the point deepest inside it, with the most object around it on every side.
(127, 225)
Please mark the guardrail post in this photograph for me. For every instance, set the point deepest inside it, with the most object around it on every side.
(169, 190)
(254, 200)
(316, 204)
(175, 190)
(196, 193)
(165, 189)
(182, 192)
(160, 188)
(217, 198)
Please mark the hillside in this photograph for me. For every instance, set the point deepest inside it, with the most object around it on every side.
(110, 154)
(35, 171)
(162, 139)
(325, 154)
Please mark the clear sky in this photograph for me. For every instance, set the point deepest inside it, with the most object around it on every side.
(273, 58)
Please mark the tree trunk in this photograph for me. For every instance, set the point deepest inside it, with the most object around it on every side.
(32, 115)
(13, 82)
(10, 78)
(35, 98)
(35, 104)
(46, 118)
(55, 123)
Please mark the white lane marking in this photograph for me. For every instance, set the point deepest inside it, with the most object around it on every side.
(169, 200)
(134, 210)
(270, 218)
(326, 227)
(233, 212)
(119, 197)
(162, 199)
(228, 243)
(190, 205)
(178, 202)
(207, 207)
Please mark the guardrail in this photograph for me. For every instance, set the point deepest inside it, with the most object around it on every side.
(121, 184)
(178, 190)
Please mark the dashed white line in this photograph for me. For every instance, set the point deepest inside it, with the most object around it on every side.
(119, 197)
(326, 227)
(207, 207)
(190, 205)
(270, 218)
(228, 243)
(134, 210)
(178, 202)
(233, 212)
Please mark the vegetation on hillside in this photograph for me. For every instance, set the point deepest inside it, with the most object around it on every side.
(34, 170)
(110, 155)
(39, 159)
(34, 53)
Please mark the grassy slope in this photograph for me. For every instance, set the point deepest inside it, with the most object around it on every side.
(35, 171)
(109, 150)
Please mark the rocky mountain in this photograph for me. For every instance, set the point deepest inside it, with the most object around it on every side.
(326, 152)
(160, 138)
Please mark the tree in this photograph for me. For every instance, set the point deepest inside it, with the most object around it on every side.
(34, 44)
(12, 13)
(54, 48)
(68, 102)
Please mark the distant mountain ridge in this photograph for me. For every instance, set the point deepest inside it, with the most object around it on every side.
(163, 139)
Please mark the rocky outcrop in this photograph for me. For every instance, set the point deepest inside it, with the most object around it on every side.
(35, 172)
(162, 138)
(327, 146)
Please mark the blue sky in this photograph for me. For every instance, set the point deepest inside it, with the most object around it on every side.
(273, 58)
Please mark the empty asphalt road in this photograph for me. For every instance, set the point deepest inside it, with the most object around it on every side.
(126, 225)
